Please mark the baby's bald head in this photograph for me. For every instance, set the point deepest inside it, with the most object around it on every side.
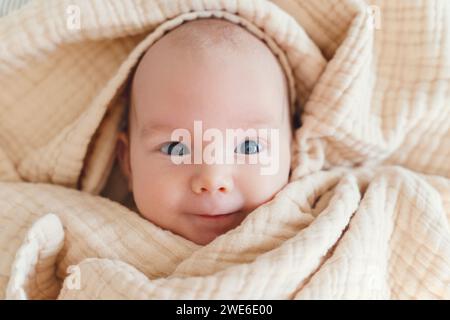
(204, 42)
(216, 37)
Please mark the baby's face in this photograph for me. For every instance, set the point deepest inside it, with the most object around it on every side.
(224, 89)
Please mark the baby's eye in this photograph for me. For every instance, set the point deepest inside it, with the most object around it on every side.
(248, 147)
(175, 148)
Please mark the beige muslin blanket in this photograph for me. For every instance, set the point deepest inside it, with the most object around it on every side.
(366, 213)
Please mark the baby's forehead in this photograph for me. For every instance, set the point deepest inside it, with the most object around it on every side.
(221, 114)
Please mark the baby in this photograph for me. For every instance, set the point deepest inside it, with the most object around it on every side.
(216, 72)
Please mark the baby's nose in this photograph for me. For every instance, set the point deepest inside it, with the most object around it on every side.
(212, 180)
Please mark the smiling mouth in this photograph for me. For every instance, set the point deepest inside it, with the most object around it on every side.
(217, 216)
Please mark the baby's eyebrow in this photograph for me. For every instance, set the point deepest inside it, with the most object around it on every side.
(153, 128)
(258, 123)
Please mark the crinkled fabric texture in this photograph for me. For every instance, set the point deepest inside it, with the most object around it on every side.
(366, 212)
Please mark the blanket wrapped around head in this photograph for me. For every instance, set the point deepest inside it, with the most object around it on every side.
(367, 209)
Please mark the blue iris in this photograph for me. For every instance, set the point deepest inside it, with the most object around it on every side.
(175, 148)
(248, 147)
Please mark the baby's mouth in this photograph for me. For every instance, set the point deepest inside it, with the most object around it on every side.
(214, 207)
(220, 220)
(217, 223)
(217, 216)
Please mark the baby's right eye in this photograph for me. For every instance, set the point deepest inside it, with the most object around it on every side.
(175, 148)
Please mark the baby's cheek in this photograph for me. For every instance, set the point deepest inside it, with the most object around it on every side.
(258, 188)
(156, 189)
(261, 182)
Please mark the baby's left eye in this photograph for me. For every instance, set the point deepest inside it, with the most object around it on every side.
(248, 147)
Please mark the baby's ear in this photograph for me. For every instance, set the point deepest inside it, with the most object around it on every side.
(123, 155)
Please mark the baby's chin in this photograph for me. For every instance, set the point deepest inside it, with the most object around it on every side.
(203, 239)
